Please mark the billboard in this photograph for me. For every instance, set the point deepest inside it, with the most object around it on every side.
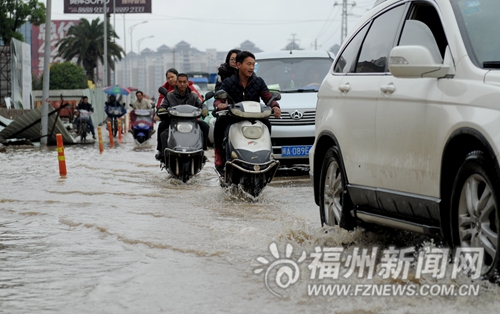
(21, 75)
(58, 30)
(97, 6)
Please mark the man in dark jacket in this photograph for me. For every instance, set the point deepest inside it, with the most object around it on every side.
(244, 86)
(85, 105)
(181, 95)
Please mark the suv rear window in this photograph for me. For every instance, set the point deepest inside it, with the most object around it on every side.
(291, 74)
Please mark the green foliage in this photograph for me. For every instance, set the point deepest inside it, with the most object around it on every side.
(85, 42)
(65, 75)
(14, 13)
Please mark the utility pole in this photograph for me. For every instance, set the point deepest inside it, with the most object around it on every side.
(343, 33)
(294, 45)
(46, 77)
(105, 65)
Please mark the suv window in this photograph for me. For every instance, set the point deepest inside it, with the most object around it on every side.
(350, 53)
(379, 41)
(290, 74)
(479, 23)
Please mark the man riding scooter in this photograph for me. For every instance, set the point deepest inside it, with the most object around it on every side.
(179, 96)
(243, 86)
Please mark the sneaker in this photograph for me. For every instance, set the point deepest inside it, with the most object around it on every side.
(93, 136)
(218, 157)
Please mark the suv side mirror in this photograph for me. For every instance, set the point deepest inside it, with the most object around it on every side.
(415, 62)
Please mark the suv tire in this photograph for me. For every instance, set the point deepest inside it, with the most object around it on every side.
(335, 203)
(475, 209)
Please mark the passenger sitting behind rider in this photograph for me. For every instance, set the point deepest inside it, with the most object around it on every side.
(181, 95)
(85, 105)
(244, 86)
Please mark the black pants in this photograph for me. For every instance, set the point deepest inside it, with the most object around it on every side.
(163, 134)
(161, 127)
(224, 121)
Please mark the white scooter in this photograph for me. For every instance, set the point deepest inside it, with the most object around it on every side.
(249, 161)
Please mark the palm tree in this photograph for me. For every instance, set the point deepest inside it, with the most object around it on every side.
(85, 41)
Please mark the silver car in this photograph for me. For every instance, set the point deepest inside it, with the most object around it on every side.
(297, 75)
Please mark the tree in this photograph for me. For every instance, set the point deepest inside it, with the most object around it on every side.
(85, 42)
(65, 75)
(14, 13)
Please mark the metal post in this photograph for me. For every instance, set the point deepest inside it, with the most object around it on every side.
(130, 30)
(105, 67)
(114, 28)
(46, 77)
(125, 71)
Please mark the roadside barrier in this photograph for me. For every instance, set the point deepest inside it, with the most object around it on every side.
(120, 130)
(60, 155)
(99, 135)
(111, 140)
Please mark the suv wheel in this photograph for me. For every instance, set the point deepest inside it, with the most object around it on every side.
(335, 203)
(475, 209)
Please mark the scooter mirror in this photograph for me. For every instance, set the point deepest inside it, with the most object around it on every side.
(221, 94)
(278, 96)
(209, 95)
(162, 90)
(130, 105)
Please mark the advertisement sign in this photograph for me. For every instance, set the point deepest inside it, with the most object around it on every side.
(58, 30)
(21, 75)
(97, 6)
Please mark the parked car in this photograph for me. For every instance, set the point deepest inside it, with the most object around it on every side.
(297, 75)
(408, 124)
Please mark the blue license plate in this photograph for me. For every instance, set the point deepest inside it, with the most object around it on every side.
(295, 151)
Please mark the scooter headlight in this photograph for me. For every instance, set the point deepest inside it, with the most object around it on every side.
(253, 132)
(184, 127)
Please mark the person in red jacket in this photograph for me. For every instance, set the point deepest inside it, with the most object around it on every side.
(171, 76)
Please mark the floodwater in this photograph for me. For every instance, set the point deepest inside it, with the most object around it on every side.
(117, 235)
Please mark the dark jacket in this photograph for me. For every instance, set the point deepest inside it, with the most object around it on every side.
(171, 88)
(174, 98)
(254, 91)
(85, 106)
(225, 71)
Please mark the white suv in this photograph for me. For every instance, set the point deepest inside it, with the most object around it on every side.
(408, 124)
(297, 75)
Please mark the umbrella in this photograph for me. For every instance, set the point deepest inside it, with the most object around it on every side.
(117, 89)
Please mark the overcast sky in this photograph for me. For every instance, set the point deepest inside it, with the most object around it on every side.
(223, 25)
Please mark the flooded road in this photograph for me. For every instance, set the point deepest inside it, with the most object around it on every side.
(116, 235)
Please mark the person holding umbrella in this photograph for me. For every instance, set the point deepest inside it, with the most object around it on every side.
(114, 110)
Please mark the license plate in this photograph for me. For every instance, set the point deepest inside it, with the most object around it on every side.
(295, 151)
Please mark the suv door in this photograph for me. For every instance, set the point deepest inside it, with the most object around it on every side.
(404, 122)
(360, 90)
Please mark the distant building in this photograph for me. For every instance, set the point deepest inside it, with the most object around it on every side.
(292, 46)
(146, 70)
(247, 45)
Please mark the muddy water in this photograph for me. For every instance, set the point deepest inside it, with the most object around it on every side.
(117, 235)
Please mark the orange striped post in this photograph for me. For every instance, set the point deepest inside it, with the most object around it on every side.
(99, 135)
(111, 140)
(60, 155)
(120, 130)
